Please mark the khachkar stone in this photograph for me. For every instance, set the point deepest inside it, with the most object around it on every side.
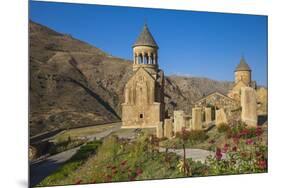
(220, 117)
(196, 118)
(168, 128)
(179, 121)
(249, 106)
(189, 124)
(208, 115)
(159, 130)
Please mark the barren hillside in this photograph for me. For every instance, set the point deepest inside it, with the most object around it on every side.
(75, 84)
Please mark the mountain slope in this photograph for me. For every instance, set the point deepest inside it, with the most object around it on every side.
(74, 84)
(71, 82)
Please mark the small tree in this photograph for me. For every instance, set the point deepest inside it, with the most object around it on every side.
(183, 138)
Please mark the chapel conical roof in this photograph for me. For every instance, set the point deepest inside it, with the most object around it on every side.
(145, 38)
(242, 66)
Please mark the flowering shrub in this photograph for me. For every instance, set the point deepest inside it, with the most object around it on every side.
(240, 130)
(245, 156)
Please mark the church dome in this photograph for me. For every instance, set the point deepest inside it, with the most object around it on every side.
(145, 39)
(242, 66)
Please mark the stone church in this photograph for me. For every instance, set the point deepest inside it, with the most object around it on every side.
(230, 102)
(144, 92)
(243, 78)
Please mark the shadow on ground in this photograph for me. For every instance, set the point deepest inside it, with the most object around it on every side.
(37, 174)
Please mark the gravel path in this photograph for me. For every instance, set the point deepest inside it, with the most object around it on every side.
(195, 154)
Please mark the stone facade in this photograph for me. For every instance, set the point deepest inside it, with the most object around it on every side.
(220, 117)
(230, 103)
(208, 115)
(168, 128)
(242, 78)
(218, 100)
(144, 92)
(196, 119)
(160, 130)
(179, 120)
(249, 106)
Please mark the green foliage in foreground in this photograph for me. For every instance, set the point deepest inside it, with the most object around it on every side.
(127, 160)
(76, 160)
(124, 160)
(64, 145)
(190, 138)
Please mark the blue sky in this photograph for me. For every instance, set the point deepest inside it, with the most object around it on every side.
(191, 43)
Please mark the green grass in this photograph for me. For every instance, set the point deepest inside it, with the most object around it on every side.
(82, 132)
(118, 160)
(209, 141)
(76, 160)
(58, 147)
(123, 160)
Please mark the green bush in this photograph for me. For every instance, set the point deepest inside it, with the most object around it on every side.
(223, 127)
(245, 156)
(65, 145)
(197, 135)
(192, 136)
(240, 130)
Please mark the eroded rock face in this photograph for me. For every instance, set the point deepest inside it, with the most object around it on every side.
(249, 106)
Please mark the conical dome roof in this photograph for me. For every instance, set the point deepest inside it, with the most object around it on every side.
(242, 66)
(145, 38)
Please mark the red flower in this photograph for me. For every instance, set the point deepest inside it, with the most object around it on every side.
(234, 148)
(249, 141)
(78, 182)
(218, 154)
(139, 171)
(244, 132)
(259, 131)
(225, 148)
(262, 164)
